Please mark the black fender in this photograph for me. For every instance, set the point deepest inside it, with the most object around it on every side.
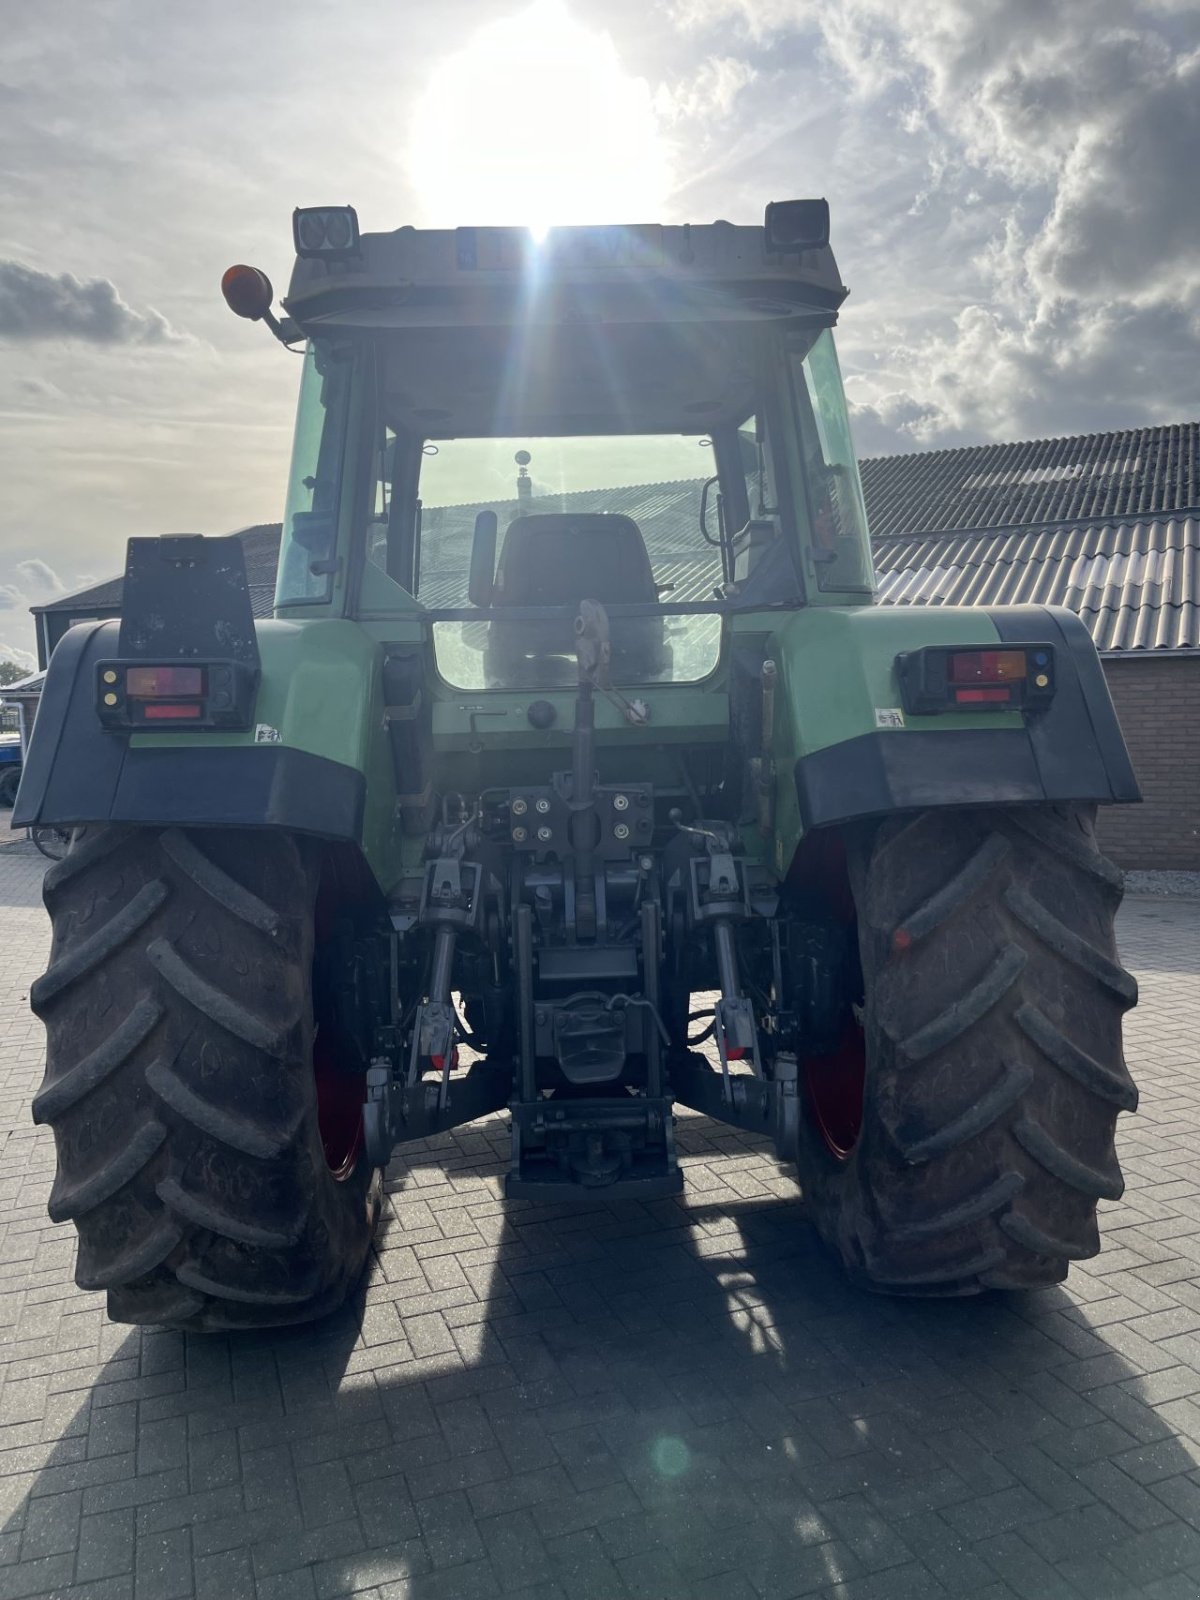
(1072, 751)
(76, 771)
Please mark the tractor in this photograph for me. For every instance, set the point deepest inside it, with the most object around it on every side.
(576, 776)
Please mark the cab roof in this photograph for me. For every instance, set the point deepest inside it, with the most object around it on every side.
(461, 277)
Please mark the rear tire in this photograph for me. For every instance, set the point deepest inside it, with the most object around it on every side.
(993, 1060)
(180, 1081)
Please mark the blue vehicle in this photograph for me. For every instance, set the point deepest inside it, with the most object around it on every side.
(10, 767)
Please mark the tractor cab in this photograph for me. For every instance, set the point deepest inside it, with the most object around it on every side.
(493, 429)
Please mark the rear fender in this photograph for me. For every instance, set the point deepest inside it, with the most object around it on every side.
(302, 765)
(844, 749)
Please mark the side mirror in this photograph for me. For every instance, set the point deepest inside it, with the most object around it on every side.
(482, 577)
(750, 453)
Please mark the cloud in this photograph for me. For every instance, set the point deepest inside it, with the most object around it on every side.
(25, 659)
(708, 95)
(881, 423)
(31, 581)
(36, 581)
(1074, 128)
(37, 305)
(40, 577)
(38, 389)
(1122, 223)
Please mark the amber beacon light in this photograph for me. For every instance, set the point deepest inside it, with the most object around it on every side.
(247, 292)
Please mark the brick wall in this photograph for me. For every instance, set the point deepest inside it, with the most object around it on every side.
(1158, 702)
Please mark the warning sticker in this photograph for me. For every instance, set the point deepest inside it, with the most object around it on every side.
(264, 733)
(889, 717)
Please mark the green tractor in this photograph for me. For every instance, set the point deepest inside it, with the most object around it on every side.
(575, 776)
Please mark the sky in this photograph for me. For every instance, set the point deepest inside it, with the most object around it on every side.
(1013, 183)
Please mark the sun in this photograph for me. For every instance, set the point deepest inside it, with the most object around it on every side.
(534, 121)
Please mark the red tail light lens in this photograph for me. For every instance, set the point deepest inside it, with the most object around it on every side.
(154, 712)
(964, 697)
(986, 666)
(148, 683)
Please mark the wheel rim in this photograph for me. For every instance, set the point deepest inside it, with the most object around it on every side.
(339, 1108)
(836, 1088)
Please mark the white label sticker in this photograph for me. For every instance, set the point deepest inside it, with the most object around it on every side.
(889, 717)
(264, 733)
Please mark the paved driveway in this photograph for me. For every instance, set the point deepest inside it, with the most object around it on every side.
(671, 1400)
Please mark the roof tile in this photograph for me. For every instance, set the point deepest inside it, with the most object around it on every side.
(1109, 476)
(1136, 584)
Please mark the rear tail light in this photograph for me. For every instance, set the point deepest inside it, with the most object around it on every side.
(178, 712)
(151, 683)
(986, 666)
(205, 694)
(980, 697)
(947, 678)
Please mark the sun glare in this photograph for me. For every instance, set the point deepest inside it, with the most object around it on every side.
(535, 121)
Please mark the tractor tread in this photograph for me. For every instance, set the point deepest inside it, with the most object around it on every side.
(987, 1134)
(980, 1115)
(1118, 1088)
(74, 1200)
(901, 838)
(92, 951)
(1033, 824)
(1041, 1243)
(1071, 946)
(228, 1128)
(962, 1270)
(82, 857)
(962, 1014)
(1061, 1164)
(195, 1208)
(54, 1099)
(195, 1278)
(190, 1154)
(217, 883)
(165, 1305)
(985, 1203)
(142, 1256)
(212, 1002)
(947, 900)
(1012, 1279)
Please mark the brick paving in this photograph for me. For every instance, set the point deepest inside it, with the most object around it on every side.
(618, 1402)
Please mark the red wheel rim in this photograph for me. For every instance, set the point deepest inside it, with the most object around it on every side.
(339, 1108)
(836, 1086)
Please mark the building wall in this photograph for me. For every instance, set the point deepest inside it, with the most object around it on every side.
(1158, 702)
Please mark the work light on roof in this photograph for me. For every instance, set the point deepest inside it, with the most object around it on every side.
(793, 225)
(328, 231)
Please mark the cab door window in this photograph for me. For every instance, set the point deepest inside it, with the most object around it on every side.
(837, 513)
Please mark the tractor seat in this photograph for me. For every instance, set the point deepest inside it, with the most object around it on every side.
(559, 559)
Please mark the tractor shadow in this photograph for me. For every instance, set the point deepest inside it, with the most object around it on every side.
(674, 1400)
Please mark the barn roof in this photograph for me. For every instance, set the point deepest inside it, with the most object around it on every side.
(1105, 524)
(1135, 473)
